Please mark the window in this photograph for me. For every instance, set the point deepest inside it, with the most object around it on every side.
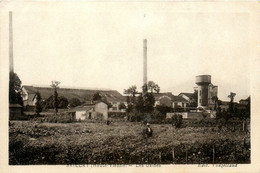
(200, 100)
(89, 115)
(183, 105)
(200, 92)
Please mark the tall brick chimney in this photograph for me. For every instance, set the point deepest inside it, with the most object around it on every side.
(11, 63)
(144, 62)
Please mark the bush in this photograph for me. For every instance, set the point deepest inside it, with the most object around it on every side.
(135, 116)
(63, 118)
(116, 114)
(177, 120)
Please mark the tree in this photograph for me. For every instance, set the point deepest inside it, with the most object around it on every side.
(38, 105)
(139, 106)
(148, 102)
(55, 86)
(231, 103)
(157, 88)
(131, 91)
(74, 102)
(15, 89)
(247, 113)
(164, 109)
(215, 100)
(121, 106)
(63, 102)
(195, 96)
(152, 86)
(96, 97)
(130, 105)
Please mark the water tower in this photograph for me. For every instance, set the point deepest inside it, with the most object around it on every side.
(203, 82)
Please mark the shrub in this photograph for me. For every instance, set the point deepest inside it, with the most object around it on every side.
(177, 120)
(135, 116)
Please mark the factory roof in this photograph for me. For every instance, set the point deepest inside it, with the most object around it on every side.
(81, 94)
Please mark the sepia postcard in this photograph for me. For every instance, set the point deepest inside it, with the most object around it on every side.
(133, 86)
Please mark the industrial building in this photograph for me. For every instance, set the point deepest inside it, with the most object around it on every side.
(206, 91)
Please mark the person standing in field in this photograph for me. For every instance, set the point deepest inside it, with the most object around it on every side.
(148, 131)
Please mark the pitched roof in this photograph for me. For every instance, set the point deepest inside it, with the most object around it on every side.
(179, 99)
(157, 96)
(169, 94)
(81, 94)
(190, 95)
(82, 108)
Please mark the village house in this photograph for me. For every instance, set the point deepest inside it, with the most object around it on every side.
(190, 97)
(97, 110)
(179, 102)
(168, 99)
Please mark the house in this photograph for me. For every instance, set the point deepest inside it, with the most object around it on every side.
(98, 110)
(168, 99)
(179, 102)
(190, 97)
(15, 110)
(84, 95)
(163, 99)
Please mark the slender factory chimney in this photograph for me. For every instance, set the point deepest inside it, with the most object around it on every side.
(145, 62)
(11, 63)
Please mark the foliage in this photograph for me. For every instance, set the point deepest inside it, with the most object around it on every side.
(135, 116)
(248, 106)
(62, 102)
(215, 100)
(152, 86)
(62, 118)
(157, 116)
(139, 106)
(96, 97)
(231, 104)
(121, 106)
(38, 105)
(130, 103)
(177, 120)
(122, 143)
(55, 86)
(163, 109)
(15, 89)
(74, 102)
(195, 96)
(131, 91)
(116, 115)
(148, 102)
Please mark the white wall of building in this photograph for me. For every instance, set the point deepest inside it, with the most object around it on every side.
(81, 115)
(102, 108)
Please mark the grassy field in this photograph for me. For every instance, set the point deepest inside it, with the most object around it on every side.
(123, 143)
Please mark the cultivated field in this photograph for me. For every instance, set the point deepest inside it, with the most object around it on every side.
(123, 143)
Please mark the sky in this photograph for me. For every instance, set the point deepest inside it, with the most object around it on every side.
(99, 45)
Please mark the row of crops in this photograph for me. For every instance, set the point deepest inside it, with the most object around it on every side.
(76, 144)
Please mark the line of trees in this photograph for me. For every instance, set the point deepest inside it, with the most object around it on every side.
(141, 107)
